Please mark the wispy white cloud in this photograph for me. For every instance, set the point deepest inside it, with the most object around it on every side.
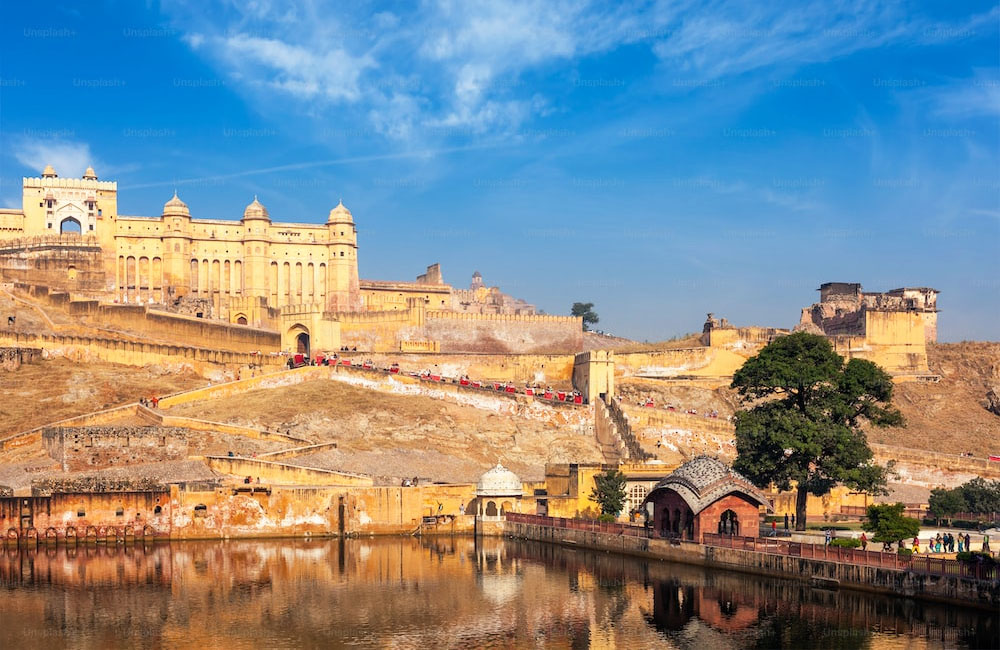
(458, 65)
(68, 158)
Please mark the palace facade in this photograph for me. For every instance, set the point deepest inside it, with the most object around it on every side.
(69, 235)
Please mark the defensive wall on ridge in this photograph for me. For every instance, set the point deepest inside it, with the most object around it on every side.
(143, 320)
(84, 348)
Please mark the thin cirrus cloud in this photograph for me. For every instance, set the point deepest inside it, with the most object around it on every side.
(457, 64)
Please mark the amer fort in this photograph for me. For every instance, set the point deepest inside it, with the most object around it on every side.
(179, 377)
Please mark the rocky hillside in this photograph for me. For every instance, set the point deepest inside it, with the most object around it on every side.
(951, 416)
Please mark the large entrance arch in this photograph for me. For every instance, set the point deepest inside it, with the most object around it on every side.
(302, 343)
(70, 226)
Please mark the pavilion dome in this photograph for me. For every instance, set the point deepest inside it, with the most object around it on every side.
(340, 214)
(176, 207)
(49, 172)
(499, 481)
(90, 174)
(704, 480)
(256, 210)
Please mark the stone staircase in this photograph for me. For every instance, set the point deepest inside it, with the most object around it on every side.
(614, 434)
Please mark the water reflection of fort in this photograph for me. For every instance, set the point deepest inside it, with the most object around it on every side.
(450, 591)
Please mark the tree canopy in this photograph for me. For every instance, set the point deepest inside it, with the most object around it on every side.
(609, 492)
(804, 411)
(888, 524)
(977, 496)
(586, 311)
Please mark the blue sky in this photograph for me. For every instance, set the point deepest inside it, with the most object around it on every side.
(660, 159)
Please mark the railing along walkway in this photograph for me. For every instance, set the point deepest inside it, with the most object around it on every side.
(917, 563)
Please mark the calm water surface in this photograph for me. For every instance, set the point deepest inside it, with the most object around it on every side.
(448, 592)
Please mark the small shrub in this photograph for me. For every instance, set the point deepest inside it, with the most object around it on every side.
(846, 542)
(976, 557)
(905, 552)
(606, 519)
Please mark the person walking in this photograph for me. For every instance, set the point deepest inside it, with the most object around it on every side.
(786, 521)
(916, 546)
(961, 542)
(968, 543)
(986, 544)
(864, 542)
(774, 528)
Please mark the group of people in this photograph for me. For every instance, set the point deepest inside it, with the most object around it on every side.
(410, 482)
(152, 402)
(11, 320)
(946, 543)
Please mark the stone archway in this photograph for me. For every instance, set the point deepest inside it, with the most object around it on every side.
(302, 343)
(70, 226)
(241, 319)
(491, 509)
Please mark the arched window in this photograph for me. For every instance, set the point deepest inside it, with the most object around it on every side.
(200, 510)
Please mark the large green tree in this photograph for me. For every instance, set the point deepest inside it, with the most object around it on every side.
(887, 523)
(804, 409)
(609, 492)
(586, 311)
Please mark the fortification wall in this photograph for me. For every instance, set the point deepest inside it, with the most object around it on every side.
(270, 471)
(504, 333)
(67, 264)
(516, 368)
(97, 447)
(141, 319)
(85, 348)
(714, 365)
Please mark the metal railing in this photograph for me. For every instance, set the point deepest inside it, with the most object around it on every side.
(915, 563)
(589, 525)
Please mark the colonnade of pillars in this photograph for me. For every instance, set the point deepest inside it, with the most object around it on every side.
(140, 280)
(296, 284)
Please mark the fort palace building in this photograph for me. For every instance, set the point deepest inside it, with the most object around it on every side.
(251, 271)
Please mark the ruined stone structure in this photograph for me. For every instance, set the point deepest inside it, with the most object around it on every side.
(82, 448)
(891, 329)
(300, 279)
(843, 309)
(12, 358)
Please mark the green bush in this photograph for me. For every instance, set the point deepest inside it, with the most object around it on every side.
(905, 552)
(606, 519)
(846, 542)
(975, 557)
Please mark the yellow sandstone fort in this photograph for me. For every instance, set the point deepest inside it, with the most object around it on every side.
(298, 283)
(300, 279)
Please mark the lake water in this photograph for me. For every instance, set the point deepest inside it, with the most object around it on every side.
(438, 593)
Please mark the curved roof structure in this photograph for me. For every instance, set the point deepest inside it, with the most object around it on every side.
(704, 480)
(499, 482)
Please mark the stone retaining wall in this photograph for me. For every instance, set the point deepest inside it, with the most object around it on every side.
(881, 580)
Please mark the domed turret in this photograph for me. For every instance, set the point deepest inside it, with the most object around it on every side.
(340, 214)
(49, 172)
(256, 210)
(498, 482)
(90, 175)
(175, 207)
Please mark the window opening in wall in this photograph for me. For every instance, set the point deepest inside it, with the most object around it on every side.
(120, 512)
(157, 510)
(200, 510)
(81, 513)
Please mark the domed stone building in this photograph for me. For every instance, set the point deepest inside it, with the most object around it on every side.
(704, 495)
(498, 492)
